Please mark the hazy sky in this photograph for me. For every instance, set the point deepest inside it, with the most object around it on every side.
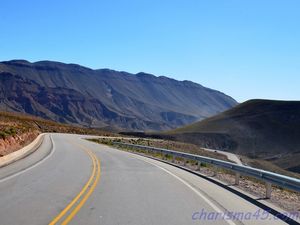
(245, 48)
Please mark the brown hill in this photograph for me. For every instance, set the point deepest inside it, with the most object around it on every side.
(260, 129)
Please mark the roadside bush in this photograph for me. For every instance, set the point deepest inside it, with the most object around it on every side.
(8, 132)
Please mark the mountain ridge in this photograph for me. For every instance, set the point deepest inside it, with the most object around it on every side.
(106, 97)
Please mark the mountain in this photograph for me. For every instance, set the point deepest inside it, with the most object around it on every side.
(260, 129)
(75, 94)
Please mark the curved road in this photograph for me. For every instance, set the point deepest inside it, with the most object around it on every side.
(71, 180)
(231, 156)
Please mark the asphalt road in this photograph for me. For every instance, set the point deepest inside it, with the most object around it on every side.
(71, 180)
(231, 156)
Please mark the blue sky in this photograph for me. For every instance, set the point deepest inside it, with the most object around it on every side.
(247, 49)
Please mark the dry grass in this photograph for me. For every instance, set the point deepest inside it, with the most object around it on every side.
(16, 130)
(16, 123)
(166, 144)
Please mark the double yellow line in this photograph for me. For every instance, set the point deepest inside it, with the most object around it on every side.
(68, 213)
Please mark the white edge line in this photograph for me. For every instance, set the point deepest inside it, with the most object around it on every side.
(216, 208)
(32, 166)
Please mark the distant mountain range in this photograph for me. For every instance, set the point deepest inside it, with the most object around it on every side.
(74, 94)
(259, 129)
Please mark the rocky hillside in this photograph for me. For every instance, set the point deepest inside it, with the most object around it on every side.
(74, 94)
(259, 129)
(18, 130)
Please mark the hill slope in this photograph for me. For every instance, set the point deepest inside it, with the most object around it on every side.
(261, 129)
(78, 95)
(18, 130)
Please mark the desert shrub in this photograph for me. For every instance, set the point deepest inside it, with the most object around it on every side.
(11, 131)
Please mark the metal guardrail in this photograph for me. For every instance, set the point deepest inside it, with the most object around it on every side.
(268, 177)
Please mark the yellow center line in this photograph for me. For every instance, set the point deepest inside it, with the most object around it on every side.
(92, 182)
(85, 198)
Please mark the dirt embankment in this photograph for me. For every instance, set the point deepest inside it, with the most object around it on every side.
(16, 142)
(17, 130)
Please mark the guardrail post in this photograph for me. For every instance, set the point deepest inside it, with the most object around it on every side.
(173, 159)
(164, 156)
(184, 161)
(237, 178)
(268, 190)
(214, 169)
(198, 166)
